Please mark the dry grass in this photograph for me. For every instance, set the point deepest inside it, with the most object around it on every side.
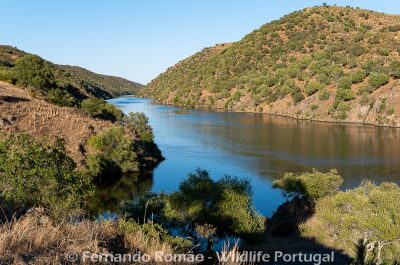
(39, 118)
(232, 251)
(36, 239)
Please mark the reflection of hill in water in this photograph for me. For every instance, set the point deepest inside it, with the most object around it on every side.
(279, 144)
(129, 187)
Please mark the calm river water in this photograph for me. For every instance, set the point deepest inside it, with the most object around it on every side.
(258, 147)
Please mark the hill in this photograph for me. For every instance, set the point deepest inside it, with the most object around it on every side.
(22, 113)
(19, 112)
(52, 80)
(324, 63)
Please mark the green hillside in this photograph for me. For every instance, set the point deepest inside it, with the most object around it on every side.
(61, 84)
(323, 63)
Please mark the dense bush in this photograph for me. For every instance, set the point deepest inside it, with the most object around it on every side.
(377, 80)
(358, 76)
(345, 83)
(139, 122)
(312, 87)
(111, 150)
(313, 185)
(362, 221)
(341, 110)
(99, 108)
(61, 98)
(344, 95)
(297, 97)
(42, 175)
(33, 72)
(221, 207)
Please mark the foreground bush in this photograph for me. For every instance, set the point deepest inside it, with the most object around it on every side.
(35, 174)
(204, 208)
(364, 222)
(313, 185)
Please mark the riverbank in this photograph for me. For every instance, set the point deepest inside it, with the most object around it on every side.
(358, 114)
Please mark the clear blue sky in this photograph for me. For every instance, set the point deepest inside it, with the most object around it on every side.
(140, 39)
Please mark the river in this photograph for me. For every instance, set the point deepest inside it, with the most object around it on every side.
(259, 147)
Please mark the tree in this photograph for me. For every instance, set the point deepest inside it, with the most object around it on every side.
(363, 221)
(312, 185)
(33, 72)
(99, 108)
(139, 123)
(111, 150)
(35, 174)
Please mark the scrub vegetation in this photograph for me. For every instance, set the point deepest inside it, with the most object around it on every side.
(327, 56)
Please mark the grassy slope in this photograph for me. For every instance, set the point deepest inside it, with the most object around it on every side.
(85, 82)
(273, 68)
(19, 112)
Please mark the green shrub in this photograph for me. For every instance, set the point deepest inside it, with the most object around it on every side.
(384, 51)
(139, 122)
(33, 174)
(297, 97)
(33, 72)
(345, 82)
(365, 90)
(111, 150)
(373, 66)
(358, 76)
(61, 98)
(98, 108)
(342, 110)
(313, 185)
(344, 95)
(362, 221)
(395, 69)
(324, 94)
(376, 80)
(5, 75)
(312, 87)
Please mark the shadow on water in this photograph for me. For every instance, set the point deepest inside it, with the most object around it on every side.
(109, 196)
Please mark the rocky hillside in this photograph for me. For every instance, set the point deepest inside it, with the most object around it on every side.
(323, 63)
(77, 82)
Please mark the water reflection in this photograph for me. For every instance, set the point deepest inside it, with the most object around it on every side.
(128, 187)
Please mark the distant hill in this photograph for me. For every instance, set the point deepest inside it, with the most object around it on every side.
(323, 63)
(75, 81)
(112, 85)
